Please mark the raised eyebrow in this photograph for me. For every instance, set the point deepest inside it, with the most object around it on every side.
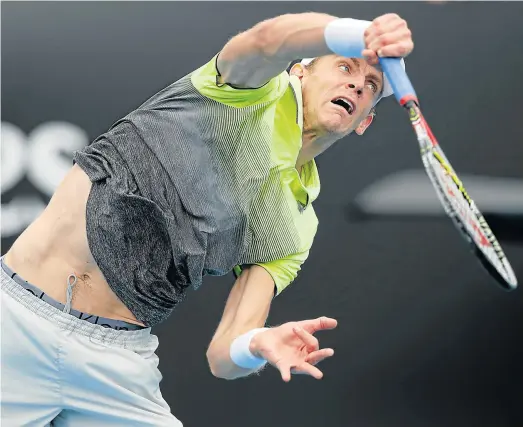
(348, 61)
(373, 77)
(355, 63)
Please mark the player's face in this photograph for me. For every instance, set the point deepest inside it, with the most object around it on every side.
(339, 93)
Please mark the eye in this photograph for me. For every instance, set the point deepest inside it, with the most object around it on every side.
(344, 67)
(373, 86)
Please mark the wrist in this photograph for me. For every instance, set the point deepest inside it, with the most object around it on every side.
(254, 343)
(345, 36)
(244, 350)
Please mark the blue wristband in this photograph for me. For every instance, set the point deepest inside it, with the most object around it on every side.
(345, 36)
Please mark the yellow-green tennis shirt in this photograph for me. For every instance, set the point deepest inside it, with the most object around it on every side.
(282, 221)
(200, 180)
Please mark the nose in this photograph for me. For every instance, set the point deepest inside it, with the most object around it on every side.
(359, 89)
(357, 83)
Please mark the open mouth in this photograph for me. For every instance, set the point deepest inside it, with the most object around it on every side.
(345, 103)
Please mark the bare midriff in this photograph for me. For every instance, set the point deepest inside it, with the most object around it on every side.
(55, 246)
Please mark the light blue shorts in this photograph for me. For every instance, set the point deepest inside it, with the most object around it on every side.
(60, 370)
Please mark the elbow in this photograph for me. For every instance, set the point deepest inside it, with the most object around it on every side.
(216, 368)
(211, 362)
(215, 371)
(219, 373)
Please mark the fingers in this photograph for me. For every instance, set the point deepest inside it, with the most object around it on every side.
(308, 369)
(319, 324)
(388, 35)
(292, 359)
(370, 56)
(286, 374)
(389, 39)
(398, 49)
(385, 24)
(318, 356)
(310, 341)
(285, 371)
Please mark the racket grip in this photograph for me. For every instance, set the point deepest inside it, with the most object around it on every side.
(398, 79)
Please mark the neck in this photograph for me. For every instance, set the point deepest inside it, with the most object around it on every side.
(313, 144)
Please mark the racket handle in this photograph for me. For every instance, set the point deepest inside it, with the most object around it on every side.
(398, 79)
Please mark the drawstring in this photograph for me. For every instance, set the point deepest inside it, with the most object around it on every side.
(70, 285)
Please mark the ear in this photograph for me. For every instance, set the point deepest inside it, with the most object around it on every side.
(298, 70)
(364, 124)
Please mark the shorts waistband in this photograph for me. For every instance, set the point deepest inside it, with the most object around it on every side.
(96, 320)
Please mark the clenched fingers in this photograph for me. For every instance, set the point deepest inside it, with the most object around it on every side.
(389, 39)
(370, 56)
(384, 24)
(402, 49)
(388, 35)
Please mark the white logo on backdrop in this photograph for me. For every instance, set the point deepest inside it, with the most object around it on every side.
(44, 156)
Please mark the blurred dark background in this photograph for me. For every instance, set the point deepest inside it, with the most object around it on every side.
(425, 336)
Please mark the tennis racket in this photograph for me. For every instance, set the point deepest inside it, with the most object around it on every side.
(456, 202)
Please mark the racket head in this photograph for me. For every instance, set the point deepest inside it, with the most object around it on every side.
(458, 204)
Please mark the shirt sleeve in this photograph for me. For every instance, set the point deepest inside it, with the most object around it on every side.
(207, 80)
(285, 270)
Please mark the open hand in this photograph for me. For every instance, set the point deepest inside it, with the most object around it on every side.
(388, 35)
(292, 348)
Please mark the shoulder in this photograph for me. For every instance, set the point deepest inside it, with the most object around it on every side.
(209, 82)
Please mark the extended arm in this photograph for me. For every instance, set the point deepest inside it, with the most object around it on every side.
(290, 347)
(247, 308)
(253, 57)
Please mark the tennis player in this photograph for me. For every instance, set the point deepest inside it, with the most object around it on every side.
(213, 174)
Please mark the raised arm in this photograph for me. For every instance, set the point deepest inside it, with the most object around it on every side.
(291, 347)
(253, 57)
